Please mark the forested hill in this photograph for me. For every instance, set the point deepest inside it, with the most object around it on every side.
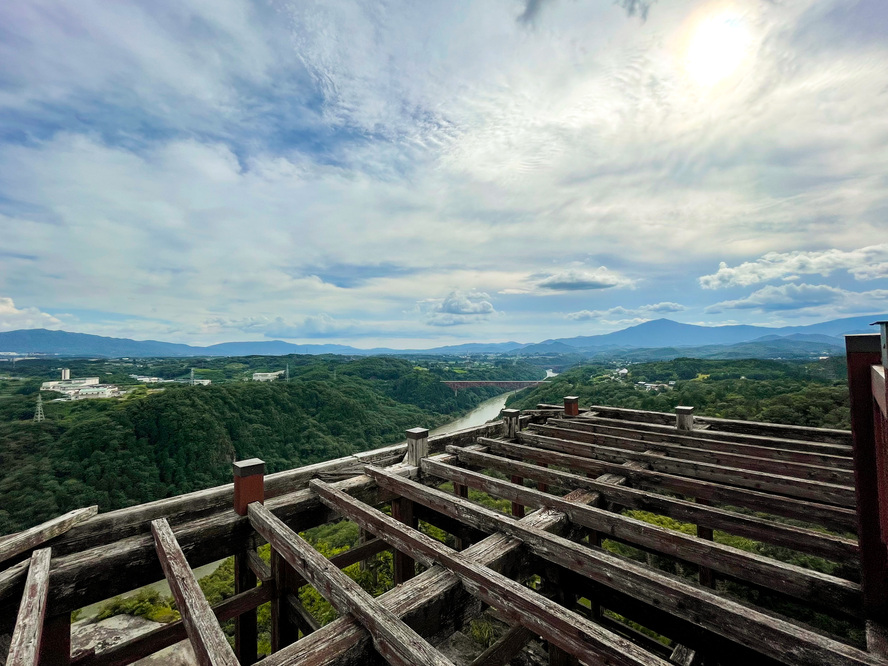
(813, 393)
(117, 453)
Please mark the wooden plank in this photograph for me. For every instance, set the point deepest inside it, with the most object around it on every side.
(810, 586)
(759, 447)
(827, 493)
(434, 600)
(258, 566)
(174, 632)
(704, 432)
(306, 621)
(717, 456)
(508, 646)
(823, 435)
(394, 640)
(24, 649)
(840, 519)
(21, 542)
(554, 623)
(765, 633)
(207, 639)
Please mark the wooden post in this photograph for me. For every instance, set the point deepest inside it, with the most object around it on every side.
(461, 491)
(571, 405)
(417, 445)
(402, 509)
(511, 427)
(249, 483)
(705, 575)
(863, 352)
(249, 486)
(511, 423)
(56, 647)
(684, 418)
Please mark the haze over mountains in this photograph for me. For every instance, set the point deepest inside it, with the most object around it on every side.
(659, 334)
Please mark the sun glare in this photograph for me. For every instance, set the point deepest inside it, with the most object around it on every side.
(717, 47)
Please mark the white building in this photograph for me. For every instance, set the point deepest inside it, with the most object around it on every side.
(66, 373)
(68, 384)
(267, 376)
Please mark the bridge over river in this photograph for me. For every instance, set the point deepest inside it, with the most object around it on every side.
(504, 384)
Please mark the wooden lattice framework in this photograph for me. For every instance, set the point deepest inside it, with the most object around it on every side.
(568, 474)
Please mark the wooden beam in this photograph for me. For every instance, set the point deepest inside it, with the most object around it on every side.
(698, 439)
(25, 647)
(174, 632)
(556, 624)
(734, 459)
(778, 430)
(306, 622)
(832, 517)
(394, 640)
(207, 639)
(435, 600)
(765, 633)
(828, 493)
(21, 542)
(507, 647)
(805, 584)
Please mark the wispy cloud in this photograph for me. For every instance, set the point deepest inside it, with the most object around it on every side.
(866, 263)
(792, 296)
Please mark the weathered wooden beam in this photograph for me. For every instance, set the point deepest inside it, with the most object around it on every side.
(828, 493)
(300, 616)
(21, 542)
(697, 439)
(836, 518)
(258, 566)
(805, 584)
(777, 430)
(507, 647)
(25, 647)
(713, 457)
(797, 538)
(174, 632)
(549, 620)
(393, 639)
(768, 634)
(434, 601)
(207, 639)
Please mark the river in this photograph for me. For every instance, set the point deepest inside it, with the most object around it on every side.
(486, 411)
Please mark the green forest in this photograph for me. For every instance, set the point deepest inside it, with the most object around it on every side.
(805, 393)
(159, 443)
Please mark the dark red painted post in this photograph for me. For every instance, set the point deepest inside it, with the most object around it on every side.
(249, 486)
(571, 405)
(863, 352)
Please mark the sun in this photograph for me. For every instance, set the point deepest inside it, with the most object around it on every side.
(717, 47)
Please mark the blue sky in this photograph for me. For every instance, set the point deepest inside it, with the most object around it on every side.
(413, 173)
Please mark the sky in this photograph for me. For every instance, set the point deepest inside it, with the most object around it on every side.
(412, 174)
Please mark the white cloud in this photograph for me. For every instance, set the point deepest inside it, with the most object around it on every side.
(816, 298)
(866, 263)
(457, 308)
(13, 318)
(582, 280)
(621, 314)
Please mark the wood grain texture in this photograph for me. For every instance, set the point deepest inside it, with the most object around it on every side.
(394, 640)
(772, 636)
(21, 542)
(26, 641)
(207, 639)
(556, 624)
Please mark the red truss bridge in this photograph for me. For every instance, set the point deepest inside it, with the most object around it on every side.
(508, 385)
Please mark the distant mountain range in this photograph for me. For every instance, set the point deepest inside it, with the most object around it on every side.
(663, 335)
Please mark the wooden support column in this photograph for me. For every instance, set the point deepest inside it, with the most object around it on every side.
(571, 406)
(706, 575)
(249, 486)
(284, 630)
(56, 649)
(684, 418)
(555, 588)
(460, 490)
(402, 509)
(511, 426)
(863, 352)
(27, 639)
